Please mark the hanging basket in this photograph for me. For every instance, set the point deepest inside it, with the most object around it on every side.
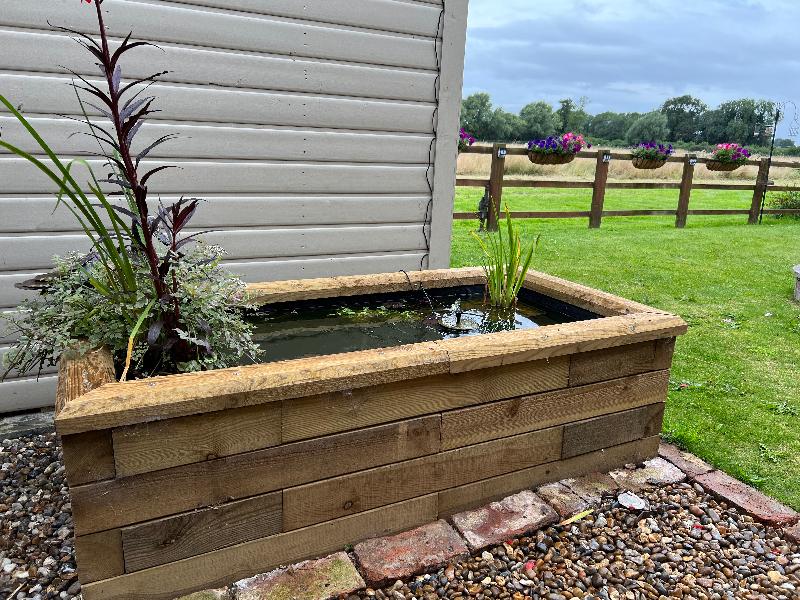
(538, 158)
(715, 165)
(648, 163)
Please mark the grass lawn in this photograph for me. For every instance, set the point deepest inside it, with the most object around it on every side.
(735, 393)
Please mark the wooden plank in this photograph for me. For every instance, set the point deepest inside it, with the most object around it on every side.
(723, 186)
(687, 176)
(599, 189)
(492, 349)
(182, 536)
(546, 183)
(157, 398)
(637, 213)
(762, 182)
(643, 185)
(163, 444)
(596, 301)
(220, 568)
(334, 287)
(28, 393)
(719, 211)
(549, 214)
(88, 457)
(475, 494)
(529, 413)
(621, 361)
(99, 555)
(129, 500)
(612, 430)
(467, 182)
(496, 174)
(350, 409)
(80, 371)
(334, 498)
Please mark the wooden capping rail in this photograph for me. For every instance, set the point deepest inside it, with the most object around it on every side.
(158, 398)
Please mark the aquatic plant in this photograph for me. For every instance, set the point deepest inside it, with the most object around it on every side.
(506, 262)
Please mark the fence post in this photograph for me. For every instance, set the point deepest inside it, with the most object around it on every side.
(599, 191)
(762, 181)
(495, 187)
(686, 190)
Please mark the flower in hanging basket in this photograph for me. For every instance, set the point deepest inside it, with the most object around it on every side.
(728, 157)
(465, 140)
(650, 155)
(556, 150)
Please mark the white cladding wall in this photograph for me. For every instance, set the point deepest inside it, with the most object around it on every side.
(308, 125)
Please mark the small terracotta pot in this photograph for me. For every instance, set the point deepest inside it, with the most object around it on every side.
(538, 158)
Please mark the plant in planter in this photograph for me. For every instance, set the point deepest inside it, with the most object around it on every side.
(155, 295)
(556, 150)
(649, 155)
(465, 140)
(506, 263)
(727, 157)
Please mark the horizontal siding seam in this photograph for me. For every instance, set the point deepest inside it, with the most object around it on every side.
(342, 26)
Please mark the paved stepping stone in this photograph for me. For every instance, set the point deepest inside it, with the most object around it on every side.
(503, 520)
(421, 549)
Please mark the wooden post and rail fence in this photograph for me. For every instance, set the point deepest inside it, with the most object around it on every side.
(497, 182)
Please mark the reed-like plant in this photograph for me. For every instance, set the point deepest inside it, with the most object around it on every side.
(506, 262)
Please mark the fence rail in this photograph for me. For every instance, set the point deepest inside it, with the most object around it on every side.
(496, 182)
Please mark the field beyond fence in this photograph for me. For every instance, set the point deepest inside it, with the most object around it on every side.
(605, 169)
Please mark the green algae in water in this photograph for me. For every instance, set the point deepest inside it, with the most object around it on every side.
(315, 328)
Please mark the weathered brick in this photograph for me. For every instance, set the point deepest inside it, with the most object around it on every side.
(416, 551)
(655, 472)
(688, 463)
(565, 502)
(593, 487)
(792, 533)
(310, 580)
(503, 520)
(748, 499)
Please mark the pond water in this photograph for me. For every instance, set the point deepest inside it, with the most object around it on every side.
(318, 327)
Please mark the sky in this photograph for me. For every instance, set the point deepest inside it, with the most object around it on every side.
(628, 55)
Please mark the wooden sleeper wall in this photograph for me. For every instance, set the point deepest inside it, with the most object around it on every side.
(168, 507)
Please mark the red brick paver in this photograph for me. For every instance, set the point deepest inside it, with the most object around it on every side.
(427, 547)
(688, 463)
(748, 499)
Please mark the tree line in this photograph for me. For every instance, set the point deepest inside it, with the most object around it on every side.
(685, 121)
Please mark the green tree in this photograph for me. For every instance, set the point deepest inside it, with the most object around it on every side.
(572, 116)
(651, 126)
(683, 117)
(610, 125)
(746, 121)
(477, 115)
(538, 121)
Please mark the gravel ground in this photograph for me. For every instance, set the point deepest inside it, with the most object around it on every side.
(36, 546)
(686, 546)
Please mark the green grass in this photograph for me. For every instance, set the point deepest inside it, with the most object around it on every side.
(734, 396)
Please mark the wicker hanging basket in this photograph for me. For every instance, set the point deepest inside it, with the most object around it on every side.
(648, 163)
(538, 158)
(715, 165)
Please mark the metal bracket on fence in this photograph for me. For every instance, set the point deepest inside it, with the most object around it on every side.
(502, 152)
(693, 161)
(607, 157)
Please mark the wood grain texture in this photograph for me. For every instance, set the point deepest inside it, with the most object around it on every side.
(356, 285)
(220, 567)
(88, 457)
(476, 494)
(597, 301)
(182, 536)
(620, 361)
(157, 398)
(529, 413)
(333, 498)
(129, 500)
(612, 430)
(507, 347)
(80, 372)
(100, 556)
(328, 413)
(163, 444)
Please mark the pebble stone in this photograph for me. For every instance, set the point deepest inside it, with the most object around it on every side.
(687, 545)
(36, 534)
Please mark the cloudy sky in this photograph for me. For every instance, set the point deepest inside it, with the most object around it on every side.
(629, 55)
